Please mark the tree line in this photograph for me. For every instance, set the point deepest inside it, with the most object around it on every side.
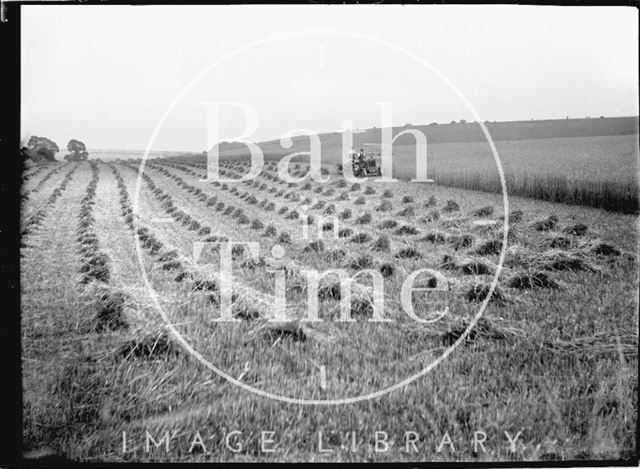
(43, 149)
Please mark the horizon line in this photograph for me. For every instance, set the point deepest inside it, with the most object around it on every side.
(123, 150)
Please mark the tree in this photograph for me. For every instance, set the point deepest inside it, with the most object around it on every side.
(24, 153)
(41, 148)
(462, 121)
(77, 151)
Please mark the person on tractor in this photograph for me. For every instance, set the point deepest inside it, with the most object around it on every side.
(361, 158)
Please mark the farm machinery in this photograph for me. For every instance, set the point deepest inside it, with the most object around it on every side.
(364, 164)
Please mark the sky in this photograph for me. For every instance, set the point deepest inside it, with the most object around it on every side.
(125, 77)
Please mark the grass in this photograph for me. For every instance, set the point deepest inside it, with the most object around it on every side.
(558, 363)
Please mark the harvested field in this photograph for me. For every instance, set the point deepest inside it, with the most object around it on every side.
(396, 234)
(558, 336)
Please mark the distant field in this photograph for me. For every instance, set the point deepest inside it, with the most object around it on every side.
(126, 155)
(596, 171)
(470, 132)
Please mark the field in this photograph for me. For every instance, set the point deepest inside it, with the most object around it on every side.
(554, 355)
(566, 170)
(589, 170)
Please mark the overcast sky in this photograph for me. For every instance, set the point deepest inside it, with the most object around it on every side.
(107, 74)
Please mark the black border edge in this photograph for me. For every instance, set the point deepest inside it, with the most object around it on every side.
(11, 422)
(10, 185)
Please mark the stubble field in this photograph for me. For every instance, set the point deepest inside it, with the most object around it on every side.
(554, 355)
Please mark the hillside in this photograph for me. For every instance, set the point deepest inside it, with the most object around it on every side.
(458, 133)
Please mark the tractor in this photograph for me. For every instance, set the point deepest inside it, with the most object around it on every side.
(364, 164)
(367, 167)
